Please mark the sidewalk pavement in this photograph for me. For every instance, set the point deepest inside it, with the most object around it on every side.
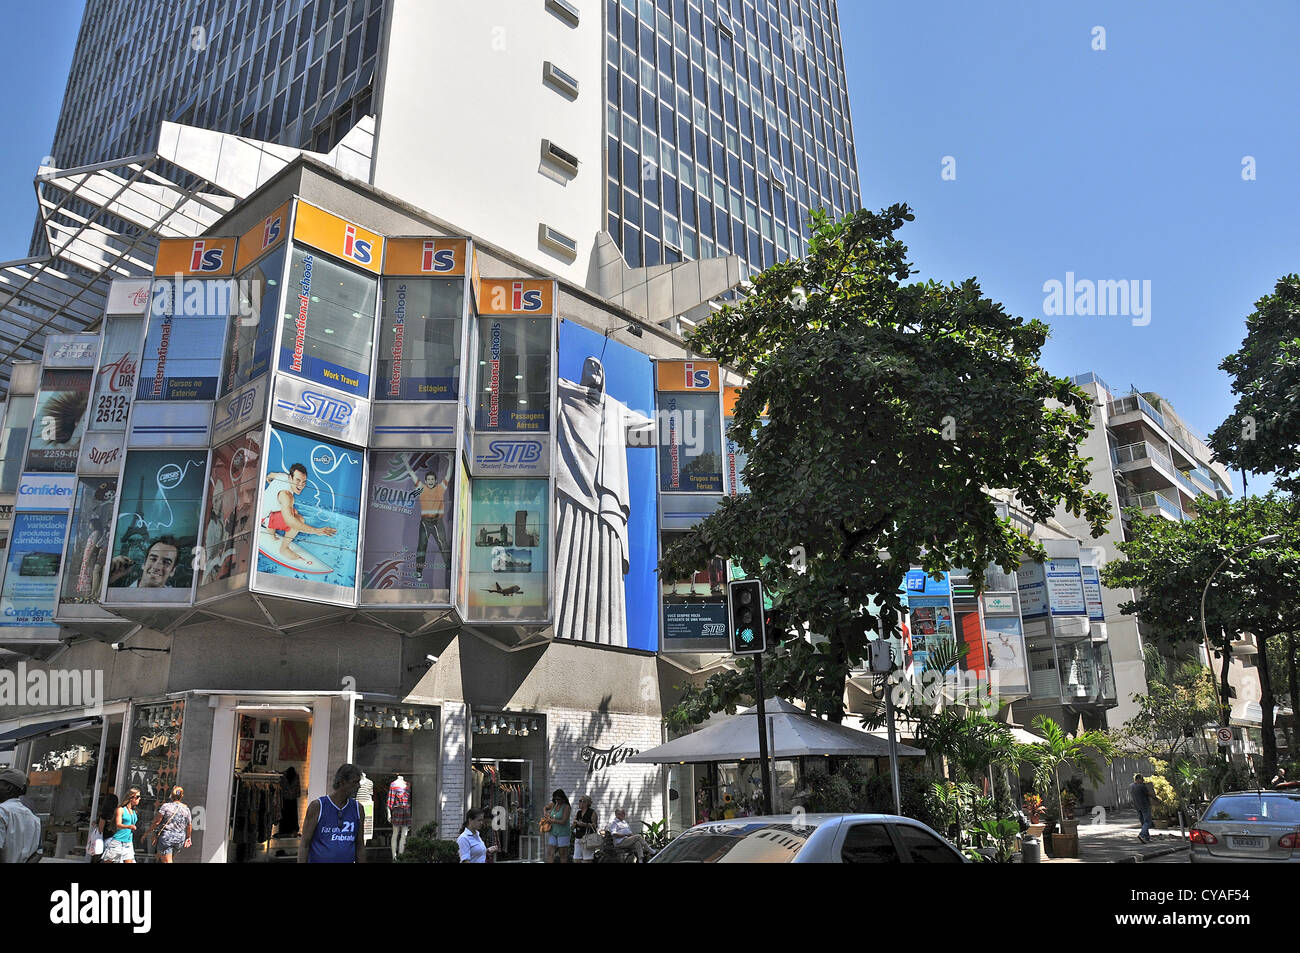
(1116, 841)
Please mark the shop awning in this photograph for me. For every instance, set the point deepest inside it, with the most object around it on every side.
(10, 739)
(793, 732)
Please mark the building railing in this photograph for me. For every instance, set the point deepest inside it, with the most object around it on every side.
(1126, 405)
(1153, 500)
(1090, 378)
(1191, 488)
(1141, 451)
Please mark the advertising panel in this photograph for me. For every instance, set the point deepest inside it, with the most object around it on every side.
(87, 549)
(440, 257)
(328, 324)
(419, 339)
(500, 455)
(409, 509)
(70, 350)
(1092, 593)
(60, 421)
(207, 257)
(513, 296)
(128, 296)
(1033, 590)
(230, 518)
(196, 318)
(46, 492)
(339, 237)
(695, 609)
(930, 613)
(690, 443)
(1065, 587)
(606, 541)
(309, 517)
(262, 237)
(239, 411)
(1004, 642)
(509, 551)
(161, 496)
(688, 377)
(119, 363)
(101, 454)
(251, 334)
(464, 494)
(32, 570)
(310, 407)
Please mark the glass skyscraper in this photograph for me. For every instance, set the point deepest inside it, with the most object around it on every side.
(726, 121)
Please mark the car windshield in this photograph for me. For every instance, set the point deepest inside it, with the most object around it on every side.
(1276, 808)
(757, 843)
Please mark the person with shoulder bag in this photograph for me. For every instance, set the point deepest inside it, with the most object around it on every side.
(586, 836)
(103, 828)
(176, 825)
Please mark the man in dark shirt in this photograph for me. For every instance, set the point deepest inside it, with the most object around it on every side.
(1140, 794)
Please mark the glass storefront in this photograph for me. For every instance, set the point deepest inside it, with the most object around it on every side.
(269, 800)
(329, 322)
(399, 749)
(153, 760)
(63, 771)
(508, 780)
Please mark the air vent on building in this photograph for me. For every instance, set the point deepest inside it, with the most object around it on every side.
(558, 78)
(564, 10)
(556, 240)
(561, 157)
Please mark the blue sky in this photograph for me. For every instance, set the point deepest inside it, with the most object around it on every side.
(1117, 164)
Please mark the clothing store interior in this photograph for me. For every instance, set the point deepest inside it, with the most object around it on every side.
(508, 780)
(272, 763)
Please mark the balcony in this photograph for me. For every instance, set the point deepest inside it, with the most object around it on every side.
(1188, 486)
(1152, 503)
(1133, 403)
(1144, 454)
(1204, 479)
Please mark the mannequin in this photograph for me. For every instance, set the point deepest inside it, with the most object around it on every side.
(366, 798)
(399, 813)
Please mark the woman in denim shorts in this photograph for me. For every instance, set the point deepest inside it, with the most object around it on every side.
(177, 828)
(120, 849)
(561, 833)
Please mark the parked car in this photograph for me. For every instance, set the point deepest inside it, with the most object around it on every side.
(811, 839)
(1248, 826)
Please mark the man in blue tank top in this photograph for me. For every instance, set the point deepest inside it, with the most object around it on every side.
(332, 832)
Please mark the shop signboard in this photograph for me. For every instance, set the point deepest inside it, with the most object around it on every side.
(157, 527)
(70, 350)
(238, 411)
(509, 558)
(115, 379)
(695, 609)
(262, 237)
(88, 538)
(689, 427)
(606, 540)
(1004, 641)
(1033, 590)
(409, 507)
(60, 420)
(177, 423)
(308, 518)
(1092, 593)
(511, 455)
(205, 257)
(46, 492)
(250, 337)
(129, 296)
(101, 453)
(427, 257)
(230, 515)
(336, 236)
(306, 406)
(36, 544)
(1065, 587)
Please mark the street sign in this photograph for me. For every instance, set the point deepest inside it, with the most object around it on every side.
(1225, 736)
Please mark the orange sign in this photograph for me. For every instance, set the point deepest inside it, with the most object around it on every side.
(518, 296)
(438, 257)
(203, 257)
(262, 237)
(688, 376)
(337, 236)
(729, 396)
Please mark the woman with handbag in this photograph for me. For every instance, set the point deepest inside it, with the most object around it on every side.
(103, 828)
(172, 827)
(556, 829)
(586, 836)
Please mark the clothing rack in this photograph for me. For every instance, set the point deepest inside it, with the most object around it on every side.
(255, 781)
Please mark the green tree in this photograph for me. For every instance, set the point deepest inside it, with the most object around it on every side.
(1263, 432)
(1058, 750)
(892, 409)
(1257, 590)
(1179, 702)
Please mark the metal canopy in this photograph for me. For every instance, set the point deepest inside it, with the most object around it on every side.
(103, 221)
(794, 733)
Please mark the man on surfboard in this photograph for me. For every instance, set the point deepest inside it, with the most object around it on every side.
(283, 516)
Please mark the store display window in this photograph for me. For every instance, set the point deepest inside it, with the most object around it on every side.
(62, 773)
(398, 749)
(153, 760)
(419, 339)
(508, 780)
(269, 792)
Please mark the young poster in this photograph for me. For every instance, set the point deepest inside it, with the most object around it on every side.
(157, 525)
(310, 510)
(60, 421)
(508, 561)
(409, 525)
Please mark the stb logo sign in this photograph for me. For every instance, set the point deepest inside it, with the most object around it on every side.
(510, 453)
(358, 249)
(697, 378)
(204, 258)
(239, 408)
(322, 409)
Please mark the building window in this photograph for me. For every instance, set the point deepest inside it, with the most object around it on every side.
(419, 339)
(328, 323)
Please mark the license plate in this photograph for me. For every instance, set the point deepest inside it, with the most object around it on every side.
(1247, 841)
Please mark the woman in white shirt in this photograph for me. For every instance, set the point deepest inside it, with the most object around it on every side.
(472, 848)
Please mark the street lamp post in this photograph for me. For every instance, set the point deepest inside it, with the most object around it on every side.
(1227, 650)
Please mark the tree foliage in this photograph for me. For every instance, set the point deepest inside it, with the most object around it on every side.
(1263, 432)
(1257, 590)
(893, 408)
(1180, 699)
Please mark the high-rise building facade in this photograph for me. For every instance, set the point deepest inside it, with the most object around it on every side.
(687, 129)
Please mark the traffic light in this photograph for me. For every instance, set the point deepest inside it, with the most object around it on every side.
(745, 607)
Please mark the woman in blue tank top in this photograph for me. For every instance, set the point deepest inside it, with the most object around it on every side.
(332, 832)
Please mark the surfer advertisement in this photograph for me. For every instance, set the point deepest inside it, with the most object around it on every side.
(509, 550)
(409, 510)
(161, 495)
(309, 516)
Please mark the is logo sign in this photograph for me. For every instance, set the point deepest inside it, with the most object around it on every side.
(436, 259)
(203, 258)
(697, 378)
(358, 249)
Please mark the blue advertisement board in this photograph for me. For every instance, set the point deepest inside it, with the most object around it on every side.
(32, 571)
(185, 342)
(606, 536)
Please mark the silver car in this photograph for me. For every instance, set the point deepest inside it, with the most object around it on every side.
(811, 839)
(1248, 827)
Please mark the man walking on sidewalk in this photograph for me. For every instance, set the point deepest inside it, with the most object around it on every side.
(1140, 794)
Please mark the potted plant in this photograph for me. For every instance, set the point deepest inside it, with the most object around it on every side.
(1058, 750)
(1037, 814)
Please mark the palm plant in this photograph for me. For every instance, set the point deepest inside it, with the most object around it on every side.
(1058, 750)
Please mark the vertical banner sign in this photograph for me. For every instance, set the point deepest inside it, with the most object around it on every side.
(690, 427)
(157, 526)
(60, 421)
(409, 510)
(1033, 590)
(115, 380)
(514, 354)
(310, 512)
(605, 559)
(1065, 587)
(230, 518)
(1092, 593)
(930, 614)
(87, 550)
(509, 553)
(32, 569)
